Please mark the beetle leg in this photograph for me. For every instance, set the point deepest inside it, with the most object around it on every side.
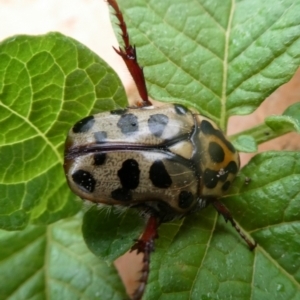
(128, 53)
(223, 210)
(145, 244)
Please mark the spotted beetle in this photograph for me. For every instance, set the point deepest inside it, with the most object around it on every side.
(165, 161)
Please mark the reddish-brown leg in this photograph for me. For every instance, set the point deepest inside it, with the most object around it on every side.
(222, 209)
(145, 245)
(129, 56)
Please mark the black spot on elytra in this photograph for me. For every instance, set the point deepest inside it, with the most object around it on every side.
(99, 159)
(211, 177)
(84, 180)
(100, 136)
(180, 109)
(128, 123)
(226, 185)
(208, 129)
(84, 125)
(129, 174)
(185, 199)
(118, 111)
(232, 167)
(216, 152)
(157, 124)
(159, 175)
(121, 194)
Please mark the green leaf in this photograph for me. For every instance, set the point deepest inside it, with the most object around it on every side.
(109, 232)
(245, 143)
(221, 57)
(270, 203)
(293, 111)
(54, 263)
(282, 124)
(47, 83)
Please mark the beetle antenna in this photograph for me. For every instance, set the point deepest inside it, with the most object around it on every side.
(145, 244)
(223, 210)
(128, 53)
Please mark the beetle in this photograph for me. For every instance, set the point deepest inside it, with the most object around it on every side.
(166, 162)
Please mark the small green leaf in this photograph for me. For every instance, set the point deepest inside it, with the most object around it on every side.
(245, 143)
(47, 83)
(293, 111)
(54, 263)
(282, 124)
(109, 232)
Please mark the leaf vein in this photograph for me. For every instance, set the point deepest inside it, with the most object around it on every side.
(223, 119)
(260, 35)
(42, 135)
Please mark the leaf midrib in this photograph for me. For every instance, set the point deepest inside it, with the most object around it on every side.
(205, 254)
(223, 118)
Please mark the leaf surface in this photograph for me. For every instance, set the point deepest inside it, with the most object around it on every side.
(221, 57)
(53, 262)
(109, 232)
(47, 83)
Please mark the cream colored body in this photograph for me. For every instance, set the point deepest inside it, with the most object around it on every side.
(170, 152)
